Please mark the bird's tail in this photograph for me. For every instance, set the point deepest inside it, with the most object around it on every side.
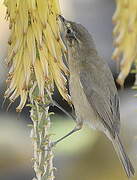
(123, 157)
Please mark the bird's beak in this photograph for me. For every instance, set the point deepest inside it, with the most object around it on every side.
(63, 20)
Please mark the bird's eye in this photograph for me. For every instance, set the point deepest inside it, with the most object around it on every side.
(68, 31)
(70, 34)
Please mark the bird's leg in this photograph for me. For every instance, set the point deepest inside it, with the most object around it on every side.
(54, 103)
(77, 128)
(63, 110)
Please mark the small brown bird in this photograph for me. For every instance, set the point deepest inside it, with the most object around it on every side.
(92, 88)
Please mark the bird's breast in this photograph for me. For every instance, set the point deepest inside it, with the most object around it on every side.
(83, 109)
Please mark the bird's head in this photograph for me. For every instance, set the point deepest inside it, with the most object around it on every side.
(74, 33)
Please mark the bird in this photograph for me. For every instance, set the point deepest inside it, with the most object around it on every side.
(92, 88)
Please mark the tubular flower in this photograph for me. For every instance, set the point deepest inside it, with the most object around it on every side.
(35, 49)
(125, 33)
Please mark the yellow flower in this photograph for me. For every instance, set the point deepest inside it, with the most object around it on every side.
(35, 49)
(125, 33)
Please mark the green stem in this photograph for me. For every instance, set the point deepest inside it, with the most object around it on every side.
(42, 154)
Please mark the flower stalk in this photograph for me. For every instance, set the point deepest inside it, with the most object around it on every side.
(41, 139)
(35, 61)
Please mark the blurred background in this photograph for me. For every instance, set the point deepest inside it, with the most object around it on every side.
(87, 154)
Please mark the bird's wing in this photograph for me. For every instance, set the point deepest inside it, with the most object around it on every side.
(103, 102)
